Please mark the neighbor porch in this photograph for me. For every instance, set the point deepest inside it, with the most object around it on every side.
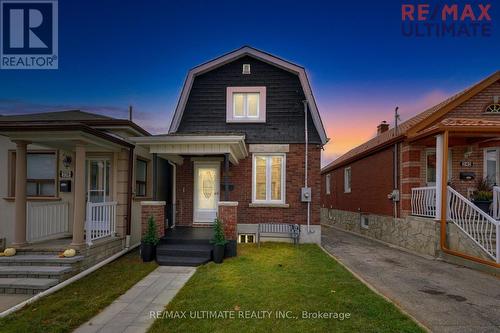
(446, 170)
(63, 186)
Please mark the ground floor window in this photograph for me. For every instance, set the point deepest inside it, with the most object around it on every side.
(347, 180)
(41, 172)
(246, 238)
(491, 167)
(141, 178)
(268, 185)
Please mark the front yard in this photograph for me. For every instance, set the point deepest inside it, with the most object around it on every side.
(279, 279)
(73, 305)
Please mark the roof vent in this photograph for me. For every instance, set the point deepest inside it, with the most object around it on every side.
(383, 127)
(246, 69)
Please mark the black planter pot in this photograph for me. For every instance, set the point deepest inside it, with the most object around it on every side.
(218, 253)
(483, 205)
(148, 252)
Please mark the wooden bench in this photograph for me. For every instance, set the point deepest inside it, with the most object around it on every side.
(278, 230)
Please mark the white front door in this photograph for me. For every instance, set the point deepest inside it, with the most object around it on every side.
(206, 191)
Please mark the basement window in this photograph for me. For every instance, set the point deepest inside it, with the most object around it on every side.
(246, 105)
(364, 222)
(246, 238)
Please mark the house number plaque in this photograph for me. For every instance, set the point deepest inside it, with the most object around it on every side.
(467, 164)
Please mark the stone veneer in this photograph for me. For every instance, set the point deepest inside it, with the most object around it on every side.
(417, 234)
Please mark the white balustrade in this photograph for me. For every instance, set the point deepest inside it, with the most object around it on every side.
(100, 221)
(46, 220)
(423, 201)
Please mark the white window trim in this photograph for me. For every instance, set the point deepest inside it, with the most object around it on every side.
(268, 177)
(261, 109)
(328, 183)
(346, 188)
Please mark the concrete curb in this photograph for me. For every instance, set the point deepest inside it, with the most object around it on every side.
(372, 288)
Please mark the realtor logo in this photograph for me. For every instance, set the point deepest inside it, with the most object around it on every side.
(29, 31)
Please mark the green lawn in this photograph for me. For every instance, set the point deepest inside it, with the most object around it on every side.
(73, 305)
(280, 277)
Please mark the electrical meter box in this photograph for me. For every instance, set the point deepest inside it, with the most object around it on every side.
(305, 194)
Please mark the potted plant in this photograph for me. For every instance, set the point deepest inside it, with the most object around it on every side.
(219, 241)
(149, 241)
(483, 195)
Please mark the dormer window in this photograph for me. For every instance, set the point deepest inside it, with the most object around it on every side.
(246, 105)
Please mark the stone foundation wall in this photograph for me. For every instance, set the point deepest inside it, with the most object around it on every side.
(417, 234)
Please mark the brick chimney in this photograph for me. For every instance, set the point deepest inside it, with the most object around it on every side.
(383, 127)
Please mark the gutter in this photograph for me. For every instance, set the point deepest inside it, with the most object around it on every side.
(67, 282)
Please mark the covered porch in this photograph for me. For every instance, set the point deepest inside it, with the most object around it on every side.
(201, 172)
(452, 175)
(63, 185)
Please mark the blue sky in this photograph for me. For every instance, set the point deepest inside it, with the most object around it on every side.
(116, 53)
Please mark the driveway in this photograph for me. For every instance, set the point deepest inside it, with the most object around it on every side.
(442, 296)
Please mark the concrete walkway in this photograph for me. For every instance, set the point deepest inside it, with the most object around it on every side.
(442, 296)
(131, 312)
(9, 300)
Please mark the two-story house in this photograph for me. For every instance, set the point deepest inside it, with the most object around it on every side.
(246, 132)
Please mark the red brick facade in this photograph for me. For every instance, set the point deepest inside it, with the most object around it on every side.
(371, 182)
(228, 214)
(372, 175)
(241, 177)
(156, 210)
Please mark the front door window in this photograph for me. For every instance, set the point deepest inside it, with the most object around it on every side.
(206, 192)
(98, 180)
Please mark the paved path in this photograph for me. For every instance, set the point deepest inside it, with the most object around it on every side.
(131, 312)
(9, 300)
(442, 296)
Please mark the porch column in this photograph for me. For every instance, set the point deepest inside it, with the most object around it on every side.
(20, 188)
(79, 200)
(439, 174)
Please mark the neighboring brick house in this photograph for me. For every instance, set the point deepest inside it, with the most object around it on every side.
(363, 192)
(238, 135)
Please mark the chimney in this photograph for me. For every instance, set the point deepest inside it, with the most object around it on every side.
(383, 127)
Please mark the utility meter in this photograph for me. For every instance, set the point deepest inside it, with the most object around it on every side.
(305, 194)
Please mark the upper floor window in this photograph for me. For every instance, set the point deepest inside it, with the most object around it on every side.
(328, 179)
(246, 104)
(347, 180)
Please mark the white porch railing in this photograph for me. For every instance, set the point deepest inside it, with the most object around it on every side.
(483, 229)
(46, 220)
(496, 202)
(423, 201)
(100, 221)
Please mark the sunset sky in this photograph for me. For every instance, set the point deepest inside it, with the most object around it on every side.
(116, 53)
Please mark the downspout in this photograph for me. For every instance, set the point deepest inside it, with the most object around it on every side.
(395, 159)
(174, 184)
(306, 139)
(129, 193)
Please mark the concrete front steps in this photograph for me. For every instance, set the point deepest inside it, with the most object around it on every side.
(28, 273)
